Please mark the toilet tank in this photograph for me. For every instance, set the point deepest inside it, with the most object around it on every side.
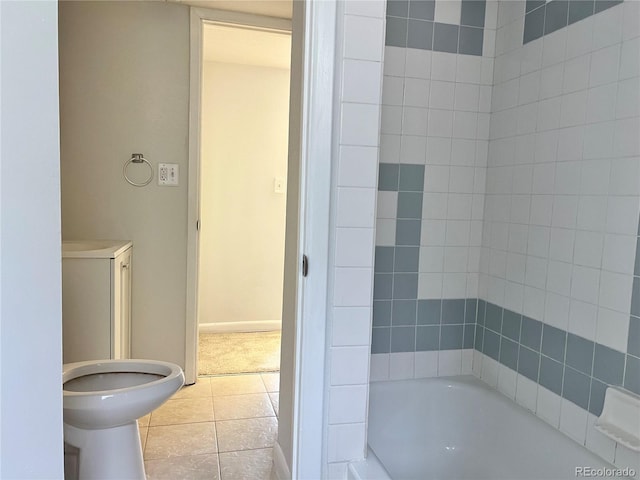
(96, 300)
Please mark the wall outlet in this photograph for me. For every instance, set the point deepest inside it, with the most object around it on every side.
(278, 185)
(168, 174)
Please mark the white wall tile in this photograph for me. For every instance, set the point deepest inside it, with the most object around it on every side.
(426, 364)
(379, 367)
(363, 38)
(353, 287)
(583, 318)
(548, 406)
(418, 63)
(573, 421)
(360, 124)
(386, 232)
(416, 92)
(448, 11)
(354, 247)
(443, 66)
(401, 365)
(361, 81)
(356, 207)
(526, 393)
(346, 442)
(601, 103)
(598, 443)
(395, 60)
(351, 326)
(345, 404)
(358, 166)
(612, 329)
(358, 360)
(615, 291)
(607, 27)
(507, 381)
(619, 253)
(604, 65)
(366, 8)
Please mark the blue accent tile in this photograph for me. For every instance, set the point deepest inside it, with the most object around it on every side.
(428, 338)
(635, 297)
(511, 325)
(408, 232)
(381, 313)
(380, 340)
(409, 205)
(411, 178)
(470, 310)
(453, 311)
(382, 286)
(493, 317)
(579, 353)
(406, 259)
(422, 9)
(469, 335)
(553, 342)
(551, 375)
(531, 335)
(576, 387)
(533, 4)
(534, 25)
(403, 339)
(388, 177)
(429, 312)
(445, 37)
(633, 341)
(596, 398)
(420, 34)
(405, 286)
(580, 9)
(398, 8)
(472, 13)
(491, 344)
(479, 340)
(451, 337)
(403, 312)
(396, 32)
(528, 363)
(482, 305)
(509, 353)
(632, 374)
(556, 15)
(471, 41)
(384, 260)
(604, 4)
(608, 365)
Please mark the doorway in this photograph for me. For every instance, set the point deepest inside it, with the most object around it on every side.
(243, 168)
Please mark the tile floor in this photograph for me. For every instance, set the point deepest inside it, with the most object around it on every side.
(221, 428)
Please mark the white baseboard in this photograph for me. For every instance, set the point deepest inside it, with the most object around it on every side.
(227, 327)
(280, 469)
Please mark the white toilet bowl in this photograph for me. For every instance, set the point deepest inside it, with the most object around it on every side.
(102, 401)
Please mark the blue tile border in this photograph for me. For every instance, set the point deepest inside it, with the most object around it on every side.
(542, 18)
(410, 24)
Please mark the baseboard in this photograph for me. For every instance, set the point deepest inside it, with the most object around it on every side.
(280, 469)
(227, 327)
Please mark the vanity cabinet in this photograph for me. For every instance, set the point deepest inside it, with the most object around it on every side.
(96, 300)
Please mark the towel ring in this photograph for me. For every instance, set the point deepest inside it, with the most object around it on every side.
(137, 158)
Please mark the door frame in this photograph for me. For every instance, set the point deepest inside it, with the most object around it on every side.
(198, 17)
(318, 25)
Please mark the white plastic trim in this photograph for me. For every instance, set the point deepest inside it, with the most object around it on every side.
(620, 418)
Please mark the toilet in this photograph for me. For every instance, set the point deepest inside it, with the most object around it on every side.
(102, 401)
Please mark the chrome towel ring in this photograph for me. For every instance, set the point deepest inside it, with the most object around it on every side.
(137, 158)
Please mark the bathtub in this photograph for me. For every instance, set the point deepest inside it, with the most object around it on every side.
(458, 428)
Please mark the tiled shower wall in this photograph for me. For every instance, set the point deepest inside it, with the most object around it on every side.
(560, 230)
(433, 157)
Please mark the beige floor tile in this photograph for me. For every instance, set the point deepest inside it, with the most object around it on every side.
(271, 381)
(275, 402)
(246, 465)
(144, 421)
(251, 405)
(187, 410)
(180, 440)
(143, 436)
(202, 388)
(246, 434)
(237, 385)
(192, 467)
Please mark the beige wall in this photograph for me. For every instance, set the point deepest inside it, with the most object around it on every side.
(245, 114)
(124, 88)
